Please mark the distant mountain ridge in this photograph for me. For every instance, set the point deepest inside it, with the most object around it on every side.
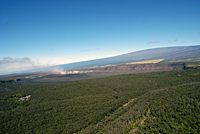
(149, 54)
(138, 56)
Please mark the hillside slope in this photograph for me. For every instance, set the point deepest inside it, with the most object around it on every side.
(167, 53)
(149, 54)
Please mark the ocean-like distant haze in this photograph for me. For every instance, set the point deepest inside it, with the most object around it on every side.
(42, 33)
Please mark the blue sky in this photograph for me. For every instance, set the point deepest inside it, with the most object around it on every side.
(50, 32)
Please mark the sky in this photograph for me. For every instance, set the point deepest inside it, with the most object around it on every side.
(39, 33)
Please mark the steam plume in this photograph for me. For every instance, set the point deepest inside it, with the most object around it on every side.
(58, 70)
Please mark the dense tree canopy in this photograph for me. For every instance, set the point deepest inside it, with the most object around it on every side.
(159, 102)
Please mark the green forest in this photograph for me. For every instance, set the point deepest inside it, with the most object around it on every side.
(155, 102)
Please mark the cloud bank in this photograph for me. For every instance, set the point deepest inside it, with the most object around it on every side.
(10, 65)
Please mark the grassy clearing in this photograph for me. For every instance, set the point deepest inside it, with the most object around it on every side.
(148, 61)
(192, 65)
(128, 102)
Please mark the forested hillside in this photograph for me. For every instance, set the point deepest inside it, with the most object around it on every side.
(156, 102)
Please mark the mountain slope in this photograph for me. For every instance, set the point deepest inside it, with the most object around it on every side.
(149, 54)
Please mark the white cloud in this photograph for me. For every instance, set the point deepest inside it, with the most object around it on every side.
(10, 65)
(152, 42)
